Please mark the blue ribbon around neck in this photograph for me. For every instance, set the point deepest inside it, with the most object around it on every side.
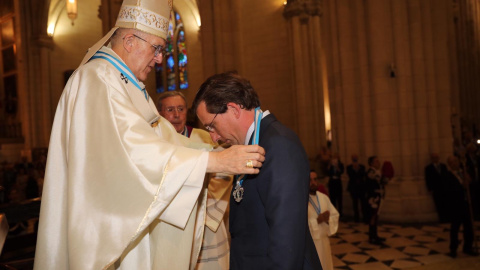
(256, 135)
(317, 209)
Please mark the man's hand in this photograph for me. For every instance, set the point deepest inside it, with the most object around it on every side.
(234, 159)
(323, 217)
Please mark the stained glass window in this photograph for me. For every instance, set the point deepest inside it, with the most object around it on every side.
(172, 73)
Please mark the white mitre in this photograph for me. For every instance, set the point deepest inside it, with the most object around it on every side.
(149, 16)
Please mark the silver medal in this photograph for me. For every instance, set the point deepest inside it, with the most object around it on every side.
(238, 192)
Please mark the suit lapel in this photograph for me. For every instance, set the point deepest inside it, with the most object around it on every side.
(266, 122)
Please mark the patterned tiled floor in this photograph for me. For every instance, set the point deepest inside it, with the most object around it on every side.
(405, 246)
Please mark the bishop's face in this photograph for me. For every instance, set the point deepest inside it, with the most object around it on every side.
(143, 55)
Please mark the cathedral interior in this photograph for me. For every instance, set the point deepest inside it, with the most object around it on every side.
(397, 79)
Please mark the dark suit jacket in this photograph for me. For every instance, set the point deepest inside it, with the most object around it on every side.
(435, 180)
(456, 196)
(269, 226)
(356, 179)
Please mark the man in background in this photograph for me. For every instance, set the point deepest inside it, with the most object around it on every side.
(435, 174)
(356, 187)
(335, 186)
(374, 194)
(457, 185)
(172, 105)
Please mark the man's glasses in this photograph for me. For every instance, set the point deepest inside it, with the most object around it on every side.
(179, 109)
(210, 127)
(158, 49)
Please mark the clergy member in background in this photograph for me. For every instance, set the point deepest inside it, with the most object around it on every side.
(121, 184)
(322, 221)
(215, 249)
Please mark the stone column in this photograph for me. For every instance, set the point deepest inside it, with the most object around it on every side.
(42, 111)
(430, 77)
(366, 137)
(419, 84)
(467, 28)
(303, 18)
(400, 74)
(389, 77)
(221, 38)
(37, 46)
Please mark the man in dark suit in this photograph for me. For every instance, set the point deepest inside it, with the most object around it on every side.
(356, 186)
(435, 174)
(457, 185)
(268, 212)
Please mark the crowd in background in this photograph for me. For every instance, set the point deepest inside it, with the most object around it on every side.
(21, 180)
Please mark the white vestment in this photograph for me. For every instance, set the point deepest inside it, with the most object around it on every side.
(117, 193)
(215, 253)
(215, 248)
(321, 232)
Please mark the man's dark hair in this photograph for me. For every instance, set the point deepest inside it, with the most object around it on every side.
(220, 89)
(371, 159)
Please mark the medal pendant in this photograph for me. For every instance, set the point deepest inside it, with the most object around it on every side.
(238, 192)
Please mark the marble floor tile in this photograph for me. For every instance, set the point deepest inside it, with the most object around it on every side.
(432, 229)
(442, 235)
(345, 231)
(344, 248)
(367, 245)
(425, 239)
(391, 226)
(405, 247)
(344, 225)
(334, 240)
(361, 228)
(370, 266)
(400, 242)
(404, 264)
(441, 247)
(355, 237)
(385, 234)
(385, 254)
(408, 231)
(433, 258)
(337, 262)
(416, 250)
(355, 258)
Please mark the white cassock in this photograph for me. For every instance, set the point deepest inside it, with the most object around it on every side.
(215, 249)
(215, 252)
(118, 194)
(321, 232)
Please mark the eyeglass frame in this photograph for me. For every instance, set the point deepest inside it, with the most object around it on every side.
(178, 109)
(158, 48)
(210, 127)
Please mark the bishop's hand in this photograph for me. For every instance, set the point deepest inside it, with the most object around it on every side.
(237, 159)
